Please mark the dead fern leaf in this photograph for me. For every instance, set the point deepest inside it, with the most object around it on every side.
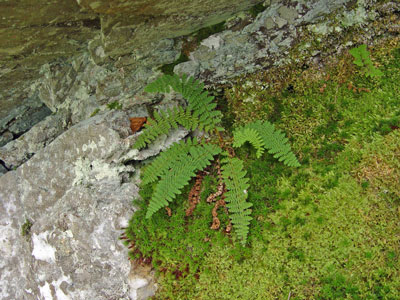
(194, 194)
(137, 123)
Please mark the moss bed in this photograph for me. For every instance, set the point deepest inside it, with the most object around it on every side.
(327, 230)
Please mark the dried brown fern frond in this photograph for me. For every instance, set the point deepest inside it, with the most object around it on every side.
(194, 194)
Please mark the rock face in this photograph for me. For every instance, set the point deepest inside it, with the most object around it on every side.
(61, 215)
(35, 33)
(268, 41)
(261, 44)
(21, 118)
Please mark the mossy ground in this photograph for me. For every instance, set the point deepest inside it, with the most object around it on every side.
(327, 230)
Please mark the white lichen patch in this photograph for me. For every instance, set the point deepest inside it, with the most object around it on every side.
(7, 248)
(42, 250)
(90, 146)
(96, 236)
(213, 42)
(87, 171)
(357, 16)
(10, 206)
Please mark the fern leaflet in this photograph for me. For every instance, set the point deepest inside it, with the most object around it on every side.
(249, 135)
(199, 102)
(163, 122)
(237, 185)
(166, 160)
(173, 179)
(273, 140)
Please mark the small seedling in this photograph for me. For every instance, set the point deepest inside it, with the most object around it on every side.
(362, 59)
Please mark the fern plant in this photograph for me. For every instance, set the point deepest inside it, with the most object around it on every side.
(199, 114)
(175, 167)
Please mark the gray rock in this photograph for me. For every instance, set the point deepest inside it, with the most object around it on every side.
(288, 13)
(262, 43)
(269, 23)
(40, 32)
(20, 119)
(280, 21)
(3, 170)
(20, 150)
(320, 8)
(6, 137)
(73, 193)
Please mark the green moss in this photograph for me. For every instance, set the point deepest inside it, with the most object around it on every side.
(26, 228)
(380, 166)
(177, 244)
(114, 105)
(337, 236)
(95, 112)
(328, 230)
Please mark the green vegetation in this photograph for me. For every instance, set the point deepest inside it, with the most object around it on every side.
(326, 230)
(95, 112)
(176, 166)
(362, 59)
(114, 105)
(26, 228)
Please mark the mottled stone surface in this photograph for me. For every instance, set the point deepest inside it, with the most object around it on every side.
(77, 195)
(267, 41)
(261, 44)
(77, 88)
(20, 150)
(33, 33)
(18, 120)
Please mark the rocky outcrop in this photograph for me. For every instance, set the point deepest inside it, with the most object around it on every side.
(22, 117)
(61, 215)
(268, 40)
(35, 33)
(76, 89)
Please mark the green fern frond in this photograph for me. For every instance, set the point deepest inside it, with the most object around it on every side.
(250, 135)
(166, 160)
(175, 177)
(199, 102)
(237, 184)
(163, 122)
(275, 142)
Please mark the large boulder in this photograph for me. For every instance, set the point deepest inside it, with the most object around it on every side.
(62, 213)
